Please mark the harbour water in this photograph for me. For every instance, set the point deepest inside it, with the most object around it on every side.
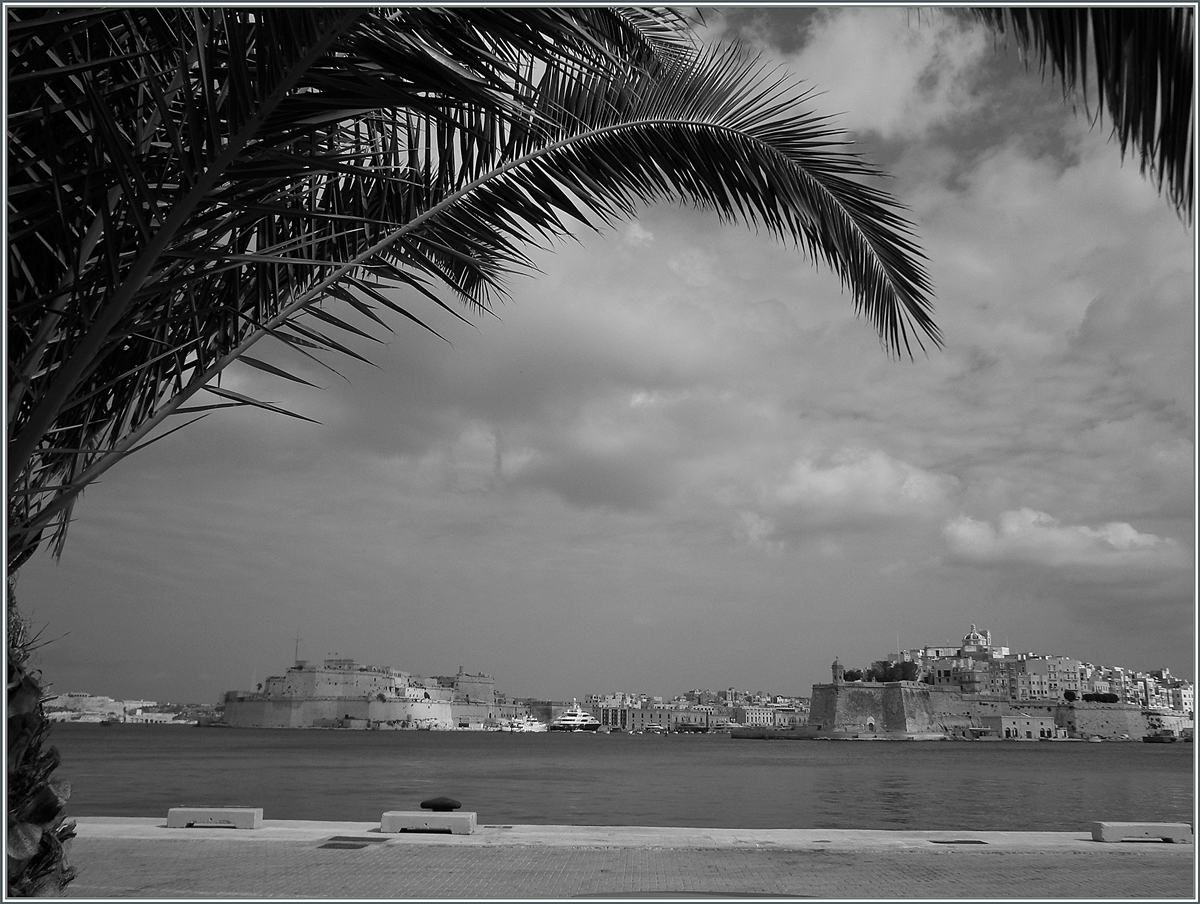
(615, 779)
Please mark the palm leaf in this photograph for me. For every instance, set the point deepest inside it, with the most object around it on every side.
(141, 141)
(715, 131)
(185, 183)
(1143, 63)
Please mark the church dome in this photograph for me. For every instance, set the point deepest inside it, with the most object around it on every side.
(975, 639)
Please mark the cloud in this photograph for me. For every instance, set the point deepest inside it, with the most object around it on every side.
(931, 68)
(850, 491)
(694, 267)
(858, 482)
(636, 234)
(1119, 587)
(1031, 537)
(756, 532)
(621, 479)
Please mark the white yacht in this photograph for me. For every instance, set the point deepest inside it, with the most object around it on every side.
(575, 719)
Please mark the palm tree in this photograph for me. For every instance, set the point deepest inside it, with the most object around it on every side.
(184, 183)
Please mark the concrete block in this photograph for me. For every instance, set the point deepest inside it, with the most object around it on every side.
(215, 817)
(1179, 832)
(424, 821)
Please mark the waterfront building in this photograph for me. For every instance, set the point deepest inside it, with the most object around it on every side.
(755, 716)
(1023, 726)
(655, 718)
(789, 717)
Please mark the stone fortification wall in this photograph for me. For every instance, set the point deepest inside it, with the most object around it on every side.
(1173, 720)
(259, 711)
(318, 681)
(900, 709)
(866, 707)
(1103, 720)
(912, 708)
(855, 706)
(903, 707)
(955, 713)
(822, 707)
(476, 688)
(430, 713)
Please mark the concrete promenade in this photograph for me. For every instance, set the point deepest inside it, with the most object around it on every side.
(142, 858)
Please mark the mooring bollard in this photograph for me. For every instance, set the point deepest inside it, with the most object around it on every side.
(436, 815)
(214, 817)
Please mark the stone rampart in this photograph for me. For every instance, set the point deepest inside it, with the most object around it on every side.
(897, 707)
(1103, 720)
(903, 707)
(822, 710)
(260, 711)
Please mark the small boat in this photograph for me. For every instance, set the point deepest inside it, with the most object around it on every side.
(575, 719)
(1162, 736)
(524, 724)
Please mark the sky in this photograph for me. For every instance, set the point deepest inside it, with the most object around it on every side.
(675, 459)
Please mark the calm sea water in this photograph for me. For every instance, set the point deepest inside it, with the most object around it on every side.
(587, 779)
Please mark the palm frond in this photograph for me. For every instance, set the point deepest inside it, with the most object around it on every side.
(716, 131)
(178, 176)
(184, 183)
(1143, 63)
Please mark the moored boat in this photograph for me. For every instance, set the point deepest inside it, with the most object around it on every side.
(1162, 736)
(523, 724)
(575, 719)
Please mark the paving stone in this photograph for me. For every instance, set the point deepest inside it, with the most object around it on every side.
(259, 865)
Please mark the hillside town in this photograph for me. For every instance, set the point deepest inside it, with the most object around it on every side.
(990, 680)
(981, 668)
